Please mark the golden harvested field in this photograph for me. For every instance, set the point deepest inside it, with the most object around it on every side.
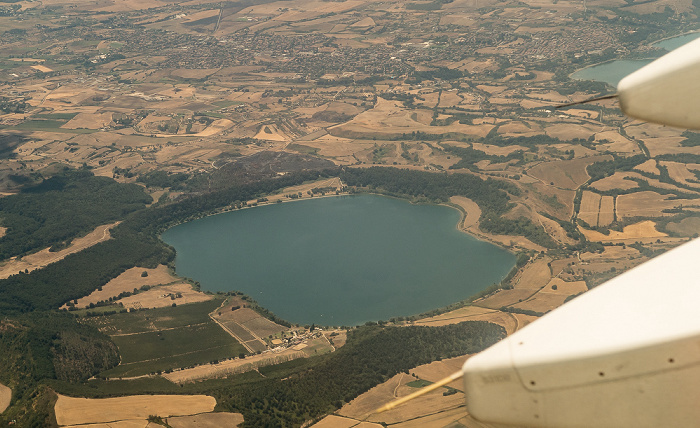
(680, 173)
(75, 411)
(617, 181)
(165, 295)
(648, 166)
(234, 366)
(643, 229)
(89, 121)
(392, 118)
(5, 397)
(607, 211)
(472, 313)
(547, 298)
(438, 370)
(472, 212)
(333, 421)
(45, 257)
(127, 281)
(535, 274)
(363, 407)
(207, 420)
(568, 174)
(649, 204)
(590, 205)
(569, 131)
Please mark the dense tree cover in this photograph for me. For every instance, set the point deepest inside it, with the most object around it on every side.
(162, 179)
(63, 207)
(489, 194)
(47, 345)
(371, 356)
(81, 273)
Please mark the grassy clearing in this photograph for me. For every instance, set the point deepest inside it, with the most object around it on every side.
(420, 383)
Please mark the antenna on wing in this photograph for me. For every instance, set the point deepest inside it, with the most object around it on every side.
(442, 382)
(590, 100)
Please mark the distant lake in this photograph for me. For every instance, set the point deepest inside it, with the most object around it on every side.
(341, 260)
(613, 71)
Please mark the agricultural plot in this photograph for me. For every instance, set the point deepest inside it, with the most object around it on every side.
(590, 205)
(155, 319)
(552, 296)
(149, 352)
(568, 174)
(81, 411)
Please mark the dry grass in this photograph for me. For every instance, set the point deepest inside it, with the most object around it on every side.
(166, 295)
(207, 420)
(548, 298)
(649, 204)
(643, 229)
(607, 211)
(680, 173)
(333, 421)
(648, 166)
(687, 227)
(616, 181)
(89, 121)
(74, 411)
(45, 257)
(234, 366)
(568, 174)
(472, 313)
(391, 118)
(127, 281)
(5, 397)
(570, 131)
(590, 205)
(471, 210)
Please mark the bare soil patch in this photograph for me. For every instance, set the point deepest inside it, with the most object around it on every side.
(45, 257)
(74, 411)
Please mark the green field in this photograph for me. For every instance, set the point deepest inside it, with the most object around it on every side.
(163, 339)
(151, 352)
(156, 319)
